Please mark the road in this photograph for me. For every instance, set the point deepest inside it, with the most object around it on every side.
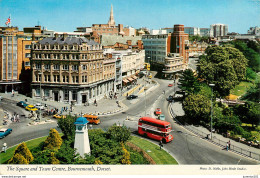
(186, 147)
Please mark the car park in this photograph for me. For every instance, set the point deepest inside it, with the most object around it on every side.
(158, 111)
(39, 106)
(130, 97)
(4, 132)
(22, 104)
(59, 116)
(31, 108)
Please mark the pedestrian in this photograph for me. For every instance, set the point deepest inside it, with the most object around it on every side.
(229, 144)
(18, 118)
(160, 144)
(66, 108)
(12, 118)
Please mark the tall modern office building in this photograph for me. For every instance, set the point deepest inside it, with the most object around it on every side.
(218, 30)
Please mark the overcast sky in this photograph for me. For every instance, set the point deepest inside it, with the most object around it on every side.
(66, 15)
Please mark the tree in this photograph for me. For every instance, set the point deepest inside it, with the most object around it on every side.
(188, 82)
(251, 51)
(67, 126)
(250, 74)
(248, 113)
(23, 150)
(197, 107)
(126, 155)
(54, 160)
(66, 154)
(253, 94)
(223, 66)
(97, 161)
(253, 113)
(53, 141)
(45, 157)
(18, 159)
(119, 133)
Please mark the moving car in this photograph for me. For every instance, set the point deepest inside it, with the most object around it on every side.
(132, 97)
(92, 119)
(4, 132)
(170, 98)
(31, 108)
(22, 104)
(157, 111)
(39, 106)
(170, 85)
(161, 117)
(58, 116)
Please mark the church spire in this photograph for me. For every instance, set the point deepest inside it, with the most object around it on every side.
(111, 21)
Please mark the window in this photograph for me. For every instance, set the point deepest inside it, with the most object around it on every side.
(65, 79)
(56, 78)
(47, 78)
(27, 63)
(84, 67)
(66, 94)
(56, 67)
(55, 56)
(47, 66)
(74, 95)
(75, 67)
(28, 46)
(38, 66)
(65, 67)
(27, 54)
(46, 92)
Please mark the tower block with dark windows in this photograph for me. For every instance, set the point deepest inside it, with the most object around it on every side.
(81, 137)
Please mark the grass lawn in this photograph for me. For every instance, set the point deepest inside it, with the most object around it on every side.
(159, 156)
(30, 144)
(241, 89)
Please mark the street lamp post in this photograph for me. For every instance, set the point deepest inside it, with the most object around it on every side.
(40, 96)
(211, 85)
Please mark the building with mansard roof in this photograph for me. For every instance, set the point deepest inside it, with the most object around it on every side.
(71, 69)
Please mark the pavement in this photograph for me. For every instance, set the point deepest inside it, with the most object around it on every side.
(176, 107)
(105, 106)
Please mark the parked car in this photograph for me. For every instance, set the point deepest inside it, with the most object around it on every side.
(39, 106)
(31, 108)
(161, 117)
(130, 97)
(22, 104)
(170, 85)
(158, 111)
(58, 116)
(4, 132)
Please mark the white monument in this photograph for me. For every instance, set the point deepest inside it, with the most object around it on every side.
(81, 136)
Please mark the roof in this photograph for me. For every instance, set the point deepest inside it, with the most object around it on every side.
(68, 40)
(156, 121)
(81, 121)
(109, 40)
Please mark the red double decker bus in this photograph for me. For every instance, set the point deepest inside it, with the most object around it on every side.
(155, 129)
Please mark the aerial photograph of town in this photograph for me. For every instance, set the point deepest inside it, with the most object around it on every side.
(106, 87)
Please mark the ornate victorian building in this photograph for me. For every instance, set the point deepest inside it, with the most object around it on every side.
(71, 69)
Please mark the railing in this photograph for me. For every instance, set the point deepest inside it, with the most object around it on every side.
(217, 141)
